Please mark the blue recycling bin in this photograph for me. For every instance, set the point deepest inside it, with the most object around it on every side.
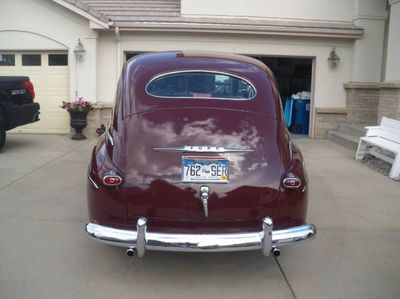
(300, 116)
(288, 112)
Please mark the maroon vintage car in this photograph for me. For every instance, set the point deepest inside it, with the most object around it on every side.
(197, 158)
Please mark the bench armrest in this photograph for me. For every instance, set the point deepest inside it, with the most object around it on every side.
(373, 131)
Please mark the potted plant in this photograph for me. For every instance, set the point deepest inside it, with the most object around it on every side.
(78, 110)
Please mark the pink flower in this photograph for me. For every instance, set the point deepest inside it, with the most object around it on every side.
(77, 104)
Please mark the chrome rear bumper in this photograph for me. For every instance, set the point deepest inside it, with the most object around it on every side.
(143, 240)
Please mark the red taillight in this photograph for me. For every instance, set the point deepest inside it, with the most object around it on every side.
(112, 179)
(291, 183)
(29, 88)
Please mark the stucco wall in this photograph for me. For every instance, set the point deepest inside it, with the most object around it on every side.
(50, 27)
(368, 51)
(339, 10)
(56, 28)
(328, 87)
(393, 44)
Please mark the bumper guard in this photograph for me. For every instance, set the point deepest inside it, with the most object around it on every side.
(143, 240)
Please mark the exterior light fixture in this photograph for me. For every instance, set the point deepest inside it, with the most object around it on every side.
(333, 59)
(79, 51)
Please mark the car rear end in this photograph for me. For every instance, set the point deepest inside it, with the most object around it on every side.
(17, 95)
(199, 160)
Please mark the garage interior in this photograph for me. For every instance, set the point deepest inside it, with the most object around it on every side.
(293, 75)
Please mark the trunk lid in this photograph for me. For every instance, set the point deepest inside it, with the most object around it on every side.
(153, 177)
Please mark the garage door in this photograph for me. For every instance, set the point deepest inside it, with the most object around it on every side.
(49, 73)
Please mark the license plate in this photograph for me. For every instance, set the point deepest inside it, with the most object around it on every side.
(205, 170)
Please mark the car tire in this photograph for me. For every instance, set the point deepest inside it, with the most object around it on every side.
(2, 135)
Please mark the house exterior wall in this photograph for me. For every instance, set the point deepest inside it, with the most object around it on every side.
(339, 10)
(327, 119)
(368, 50)
(328, 88)
(367, 14)
(389, 100)
(368, 102)
(362, 102)
(392, 72)
(52, 28)
(58, 28)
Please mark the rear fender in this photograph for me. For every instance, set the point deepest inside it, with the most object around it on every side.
(293, 203)
(106, 205)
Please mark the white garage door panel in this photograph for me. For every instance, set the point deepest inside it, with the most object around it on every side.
(51, 87)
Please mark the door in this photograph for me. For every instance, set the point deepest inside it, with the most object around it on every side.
(49, 74)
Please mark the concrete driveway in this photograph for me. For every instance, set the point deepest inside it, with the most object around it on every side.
(44, 252)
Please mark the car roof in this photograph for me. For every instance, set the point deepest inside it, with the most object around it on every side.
(141, 69)
(198, 55)
(226, 56)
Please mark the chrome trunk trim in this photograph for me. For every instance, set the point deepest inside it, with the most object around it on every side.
(109, 137)
(143, 240)
(201, 71)
(203, 149)
(92, 182)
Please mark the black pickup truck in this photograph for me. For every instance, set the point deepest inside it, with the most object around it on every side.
(17, 107)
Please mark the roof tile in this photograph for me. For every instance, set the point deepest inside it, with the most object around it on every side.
(166, 14)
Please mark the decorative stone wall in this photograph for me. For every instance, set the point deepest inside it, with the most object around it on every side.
(327, 119)
(362, 102)
(367, 102)
(389, 100)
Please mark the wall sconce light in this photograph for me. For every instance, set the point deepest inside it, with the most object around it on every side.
(333, 59)
(79, 51)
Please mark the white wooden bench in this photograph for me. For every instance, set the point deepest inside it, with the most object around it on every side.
(386, 136)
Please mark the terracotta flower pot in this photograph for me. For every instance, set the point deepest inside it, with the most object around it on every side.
(78, 122)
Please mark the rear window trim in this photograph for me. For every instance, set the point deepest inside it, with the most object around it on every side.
(201, 71)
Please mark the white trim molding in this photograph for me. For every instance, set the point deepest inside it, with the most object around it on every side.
(392, 2)
(95, 23)
(280, 30)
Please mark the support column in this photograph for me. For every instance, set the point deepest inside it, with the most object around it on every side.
(88, 70)
(389, 100)
(393, 44)
(85, 82)
(368, 50)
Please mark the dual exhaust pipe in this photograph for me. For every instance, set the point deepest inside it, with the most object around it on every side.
(275, 251)
(130, 252)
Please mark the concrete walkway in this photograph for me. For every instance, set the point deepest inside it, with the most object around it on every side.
(44, 252)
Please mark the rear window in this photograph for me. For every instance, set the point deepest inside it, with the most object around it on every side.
(200, 84)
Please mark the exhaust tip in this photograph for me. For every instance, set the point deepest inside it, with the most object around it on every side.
(276, 251)
(130, 252)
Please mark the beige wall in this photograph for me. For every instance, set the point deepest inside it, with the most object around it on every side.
(393, 47)
(368, 50)
(368, 14)
(329, 91)
(50, 27)
(338, 10)
(107, 71)
(56, 28)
